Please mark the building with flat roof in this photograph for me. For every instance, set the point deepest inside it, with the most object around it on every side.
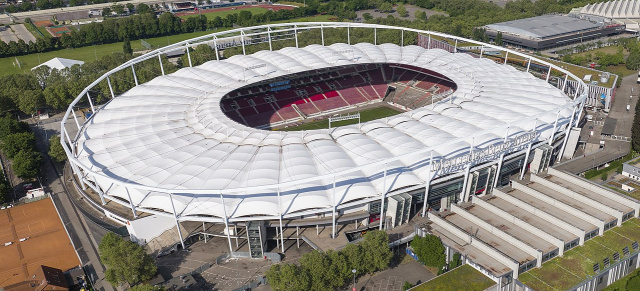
(548, 31)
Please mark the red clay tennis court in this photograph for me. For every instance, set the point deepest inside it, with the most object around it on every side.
(47, 243)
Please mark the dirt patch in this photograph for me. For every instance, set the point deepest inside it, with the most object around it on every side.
(47, 243)
(43, 23)
(57, 31)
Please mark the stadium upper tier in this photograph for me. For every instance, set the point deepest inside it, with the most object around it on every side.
(171, 133)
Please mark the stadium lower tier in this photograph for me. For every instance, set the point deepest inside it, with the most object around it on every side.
(314, 93)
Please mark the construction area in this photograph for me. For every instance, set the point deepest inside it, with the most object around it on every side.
(522, 226)
(32, 235)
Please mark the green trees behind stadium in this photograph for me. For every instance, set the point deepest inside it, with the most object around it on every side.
(332, 270)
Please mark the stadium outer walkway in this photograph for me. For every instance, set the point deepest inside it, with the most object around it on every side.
(614, 149)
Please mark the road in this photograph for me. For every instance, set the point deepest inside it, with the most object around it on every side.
(613, 149)
(79, 230)
(48, 13)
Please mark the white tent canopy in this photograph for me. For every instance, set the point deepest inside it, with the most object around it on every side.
(171, 133)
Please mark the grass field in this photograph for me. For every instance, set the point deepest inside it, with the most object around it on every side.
(576, 265)
(90, 53)
(464, 277)
(224, 13)
(365, 115)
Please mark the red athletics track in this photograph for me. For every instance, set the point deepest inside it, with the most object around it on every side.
(270, 7)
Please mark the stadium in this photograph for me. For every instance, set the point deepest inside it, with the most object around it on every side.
(417, 125)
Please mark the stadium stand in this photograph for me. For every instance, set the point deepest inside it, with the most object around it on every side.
(318, 93)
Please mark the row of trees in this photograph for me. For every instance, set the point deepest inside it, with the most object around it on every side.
(333, 269)
(19, 145)
(42, 88)
(145, 25)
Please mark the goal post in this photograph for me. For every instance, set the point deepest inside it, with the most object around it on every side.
(341, 117)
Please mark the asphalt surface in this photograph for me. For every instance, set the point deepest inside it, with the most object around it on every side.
(47, 14)
(613, 149)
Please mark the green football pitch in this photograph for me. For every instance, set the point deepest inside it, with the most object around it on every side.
(365, 115)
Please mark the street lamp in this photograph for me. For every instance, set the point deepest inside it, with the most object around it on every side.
(354, 279)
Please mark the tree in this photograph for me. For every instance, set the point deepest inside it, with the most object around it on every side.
(499, 38)
(386, 7)
(10, 126)
(429, 250)
(26, 164)
(367, 16)
(376, 250)
(14, 143)
(420, 15)
(288, 277)
(130, 7)
(633, 60)
(126, 261)
(126, 47)
(30, 100)
(402, 11)
(106, 11)
(318, 266)
(406, 286)
(143, 8)
(56, 151)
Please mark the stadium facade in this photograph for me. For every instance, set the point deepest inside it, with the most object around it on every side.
(186, 145)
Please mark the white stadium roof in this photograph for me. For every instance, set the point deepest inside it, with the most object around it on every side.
(171, 133)
(613, 9)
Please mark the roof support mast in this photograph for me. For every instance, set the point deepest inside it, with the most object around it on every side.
(175, 216)
(427, 185)
(384, 195)
(526, 156)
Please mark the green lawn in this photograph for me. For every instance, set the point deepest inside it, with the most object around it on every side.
(365, 115)
(290, 3)
(576, 265)
(224, 13)
(36, 31)
(90, 53)
(464, 277)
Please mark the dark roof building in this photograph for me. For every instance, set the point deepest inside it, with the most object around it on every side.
(548, 31)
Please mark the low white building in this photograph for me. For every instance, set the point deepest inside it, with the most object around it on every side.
(59, 63)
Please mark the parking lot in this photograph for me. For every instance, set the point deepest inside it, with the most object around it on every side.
(16, 33)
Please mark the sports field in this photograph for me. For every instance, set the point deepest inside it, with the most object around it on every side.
(365, 115)
(90, 53)
(47, 243)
